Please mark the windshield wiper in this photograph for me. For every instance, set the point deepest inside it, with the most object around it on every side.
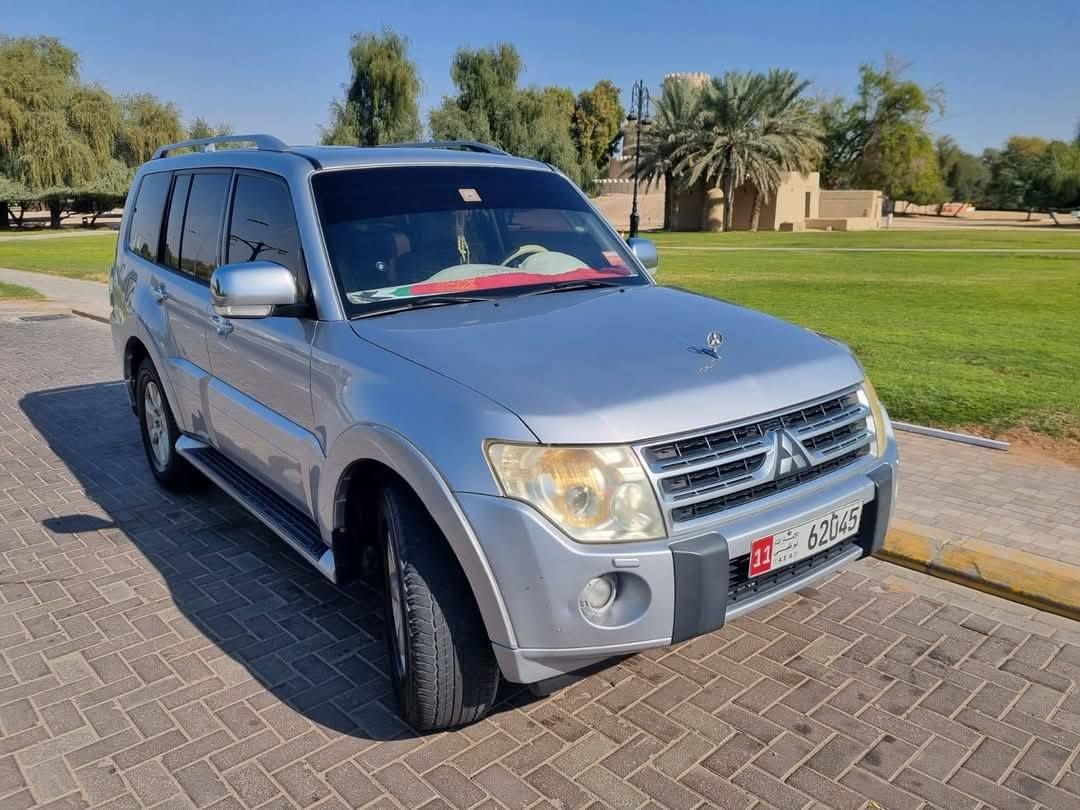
(422, 303)
(579, 284)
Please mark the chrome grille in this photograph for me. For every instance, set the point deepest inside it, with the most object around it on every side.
(707, 473)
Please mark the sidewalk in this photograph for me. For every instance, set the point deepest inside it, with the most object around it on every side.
(950, 489)
(1002, 522)
(88, 298)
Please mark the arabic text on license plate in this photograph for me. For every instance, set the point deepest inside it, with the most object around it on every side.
(777, 550)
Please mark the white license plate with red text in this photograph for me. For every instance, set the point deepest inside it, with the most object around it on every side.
(802, 541)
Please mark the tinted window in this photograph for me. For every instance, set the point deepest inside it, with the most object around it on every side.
(145, 229)
(202, 224)
(404, 232)
(262, 226)
(174, 227)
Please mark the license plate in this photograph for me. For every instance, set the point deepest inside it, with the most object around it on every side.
(802, 541)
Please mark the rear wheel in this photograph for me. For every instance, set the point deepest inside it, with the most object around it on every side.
(441, 662)
(159, 433)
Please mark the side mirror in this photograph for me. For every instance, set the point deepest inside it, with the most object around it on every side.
(252, 289)
(645, 251)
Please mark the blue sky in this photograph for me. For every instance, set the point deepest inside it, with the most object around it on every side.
(272, 66)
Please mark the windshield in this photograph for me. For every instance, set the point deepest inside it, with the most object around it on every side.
(395, 234)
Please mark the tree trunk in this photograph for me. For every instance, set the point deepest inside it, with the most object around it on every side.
(55, 213)
(5, 222)
(755, 210)
(729, 198)
(669, 199)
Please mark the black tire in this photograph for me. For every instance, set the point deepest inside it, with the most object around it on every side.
(447, 675)
(171, 470)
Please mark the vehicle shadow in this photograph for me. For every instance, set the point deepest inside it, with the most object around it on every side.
(316, 647)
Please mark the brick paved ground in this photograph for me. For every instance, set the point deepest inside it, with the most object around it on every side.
(953, 490)
(166, 651)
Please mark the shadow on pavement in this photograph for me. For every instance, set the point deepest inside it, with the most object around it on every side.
(316, 647)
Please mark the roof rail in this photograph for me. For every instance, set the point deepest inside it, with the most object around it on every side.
(265, 142)
(461, 146)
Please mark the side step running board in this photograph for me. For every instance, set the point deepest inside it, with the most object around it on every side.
(284, 519)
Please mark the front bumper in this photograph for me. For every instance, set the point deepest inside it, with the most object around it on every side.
(674, 589)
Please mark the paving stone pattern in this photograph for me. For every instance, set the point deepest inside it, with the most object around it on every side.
(166, 651)
(1019, 501)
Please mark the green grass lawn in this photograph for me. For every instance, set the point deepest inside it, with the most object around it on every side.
(86, 257)
(16, 292)
(949, 338)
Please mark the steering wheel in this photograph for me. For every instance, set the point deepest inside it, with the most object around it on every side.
(523, 253)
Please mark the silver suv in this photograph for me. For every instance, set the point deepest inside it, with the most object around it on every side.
(443, 359)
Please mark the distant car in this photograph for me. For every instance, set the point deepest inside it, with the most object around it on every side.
(446, 360)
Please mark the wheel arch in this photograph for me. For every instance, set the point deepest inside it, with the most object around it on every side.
(136, 350)
(370, 455)
(134, 354)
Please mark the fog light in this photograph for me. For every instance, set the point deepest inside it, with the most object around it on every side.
(599, 592)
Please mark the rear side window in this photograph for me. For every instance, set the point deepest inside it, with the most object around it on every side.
(202, 224)
(262, 226)
(144, 233)
(174, 228)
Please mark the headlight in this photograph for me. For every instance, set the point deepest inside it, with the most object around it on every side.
(595, 494)
(879, 422)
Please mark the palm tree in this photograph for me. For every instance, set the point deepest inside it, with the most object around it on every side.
(754, 128)
(677, 117)
(790, 124)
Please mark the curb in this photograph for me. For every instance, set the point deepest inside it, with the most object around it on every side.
(1019, 576)
(84, 314)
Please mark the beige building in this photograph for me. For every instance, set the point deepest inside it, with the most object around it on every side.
(798, 204)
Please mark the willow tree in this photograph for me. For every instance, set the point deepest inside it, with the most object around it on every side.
(146, 123)
(597, 123)
(380, 104)
(55, 133)
(882, 139)
(546, 123)
(485, 107)
(201, 128)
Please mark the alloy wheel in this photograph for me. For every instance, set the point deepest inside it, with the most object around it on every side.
(157, 429)
(397, 602)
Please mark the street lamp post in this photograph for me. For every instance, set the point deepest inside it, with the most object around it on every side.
(639, 116)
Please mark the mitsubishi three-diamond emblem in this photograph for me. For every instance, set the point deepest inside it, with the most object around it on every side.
(790, 456)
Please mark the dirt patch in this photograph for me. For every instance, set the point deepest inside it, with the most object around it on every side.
(1026, 442)
(924, 217)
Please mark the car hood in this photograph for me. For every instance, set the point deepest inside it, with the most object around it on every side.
(618, 365)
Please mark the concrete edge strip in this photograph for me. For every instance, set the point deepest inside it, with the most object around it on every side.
(1019, 576)
(951, 436)
(84, 314)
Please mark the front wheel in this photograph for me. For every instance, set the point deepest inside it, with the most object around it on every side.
(441, 663)
(159, 433)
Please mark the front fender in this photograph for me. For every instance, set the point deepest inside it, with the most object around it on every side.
(152, 341)
(376, 443)
(128, 321)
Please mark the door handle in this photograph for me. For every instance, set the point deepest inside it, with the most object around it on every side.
(221, 325)
(159, 292)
